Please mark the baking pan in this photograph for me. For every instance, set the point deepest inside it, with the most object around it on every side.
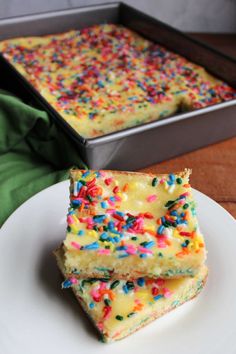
(148, 143)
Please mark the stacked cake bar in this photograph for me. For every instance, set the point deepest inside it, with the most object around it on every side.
(133, 249)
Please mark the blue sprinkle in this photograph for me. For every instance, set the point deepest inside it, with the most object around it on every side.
(121, 248)
(92, 305)
(75, 202)
(125, 289)
(193, 212)
(116, 232)
(66, 284)
(120, 213)
(81, 233)
(100, 84)
(174, 213)
(85, 174)
(116, 239)
(113, 199)
(79, 185)
(91, 246)
(149, 244)
(143, 255)
(92, 115)
(127, 226)
(104, 205)
(182, 215)
(99, 218)
(182, 197)
(157, 297)
(111, 225)
(172, 177)
(98, 174)
(160, 230)
(104, 236)
(163, 219)
(141, 281)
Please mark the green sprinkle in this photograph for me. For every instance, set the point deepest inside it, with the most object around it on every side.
(105, 228)
(114, 284)
(84, 281)
(154, 182)
(134, 238)
(179, 180)
(107, 302)
(185, 206)
(107, 247)
(104, 280)
(119, 318)
(89, 198)
(130, 219)
(131, 314)
(82, 182)
(170, 203)
(95, 228)
(68, 229)
(160, 254)
(167, 223)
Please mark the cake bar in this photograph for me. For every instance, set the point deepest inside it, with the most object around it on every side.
(118, 308)
(127, 225)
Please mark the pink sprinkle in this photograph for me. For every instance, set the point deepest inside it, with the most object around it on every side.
(162, 180)
(89, 220)
(161, 244)
(110, 202)
(75, 245)
(70, 220)
(102, 173)
(167, 293)
(117, 198)
(130, 249)
(102, 286)
(110, 211)
(104, 251)
(151, 198)
(95, 295)
(184, 194)
(144, 250)
(74, 280)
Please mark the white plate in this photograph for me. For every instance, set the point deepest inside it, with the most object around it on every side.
(36, 317)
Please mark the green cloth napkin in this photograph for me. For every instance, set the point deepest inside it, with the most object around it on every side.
(34, 153)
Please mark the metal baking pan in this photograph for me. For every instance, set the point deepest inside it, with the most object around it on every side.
(148, 143)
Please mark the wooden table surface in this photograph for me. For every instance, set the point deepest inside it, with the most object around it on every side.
(214, 167)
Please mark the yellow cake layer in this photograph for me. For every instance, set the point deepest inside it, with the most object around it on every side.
(119, 307)
(106, 78)
(126, 225)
